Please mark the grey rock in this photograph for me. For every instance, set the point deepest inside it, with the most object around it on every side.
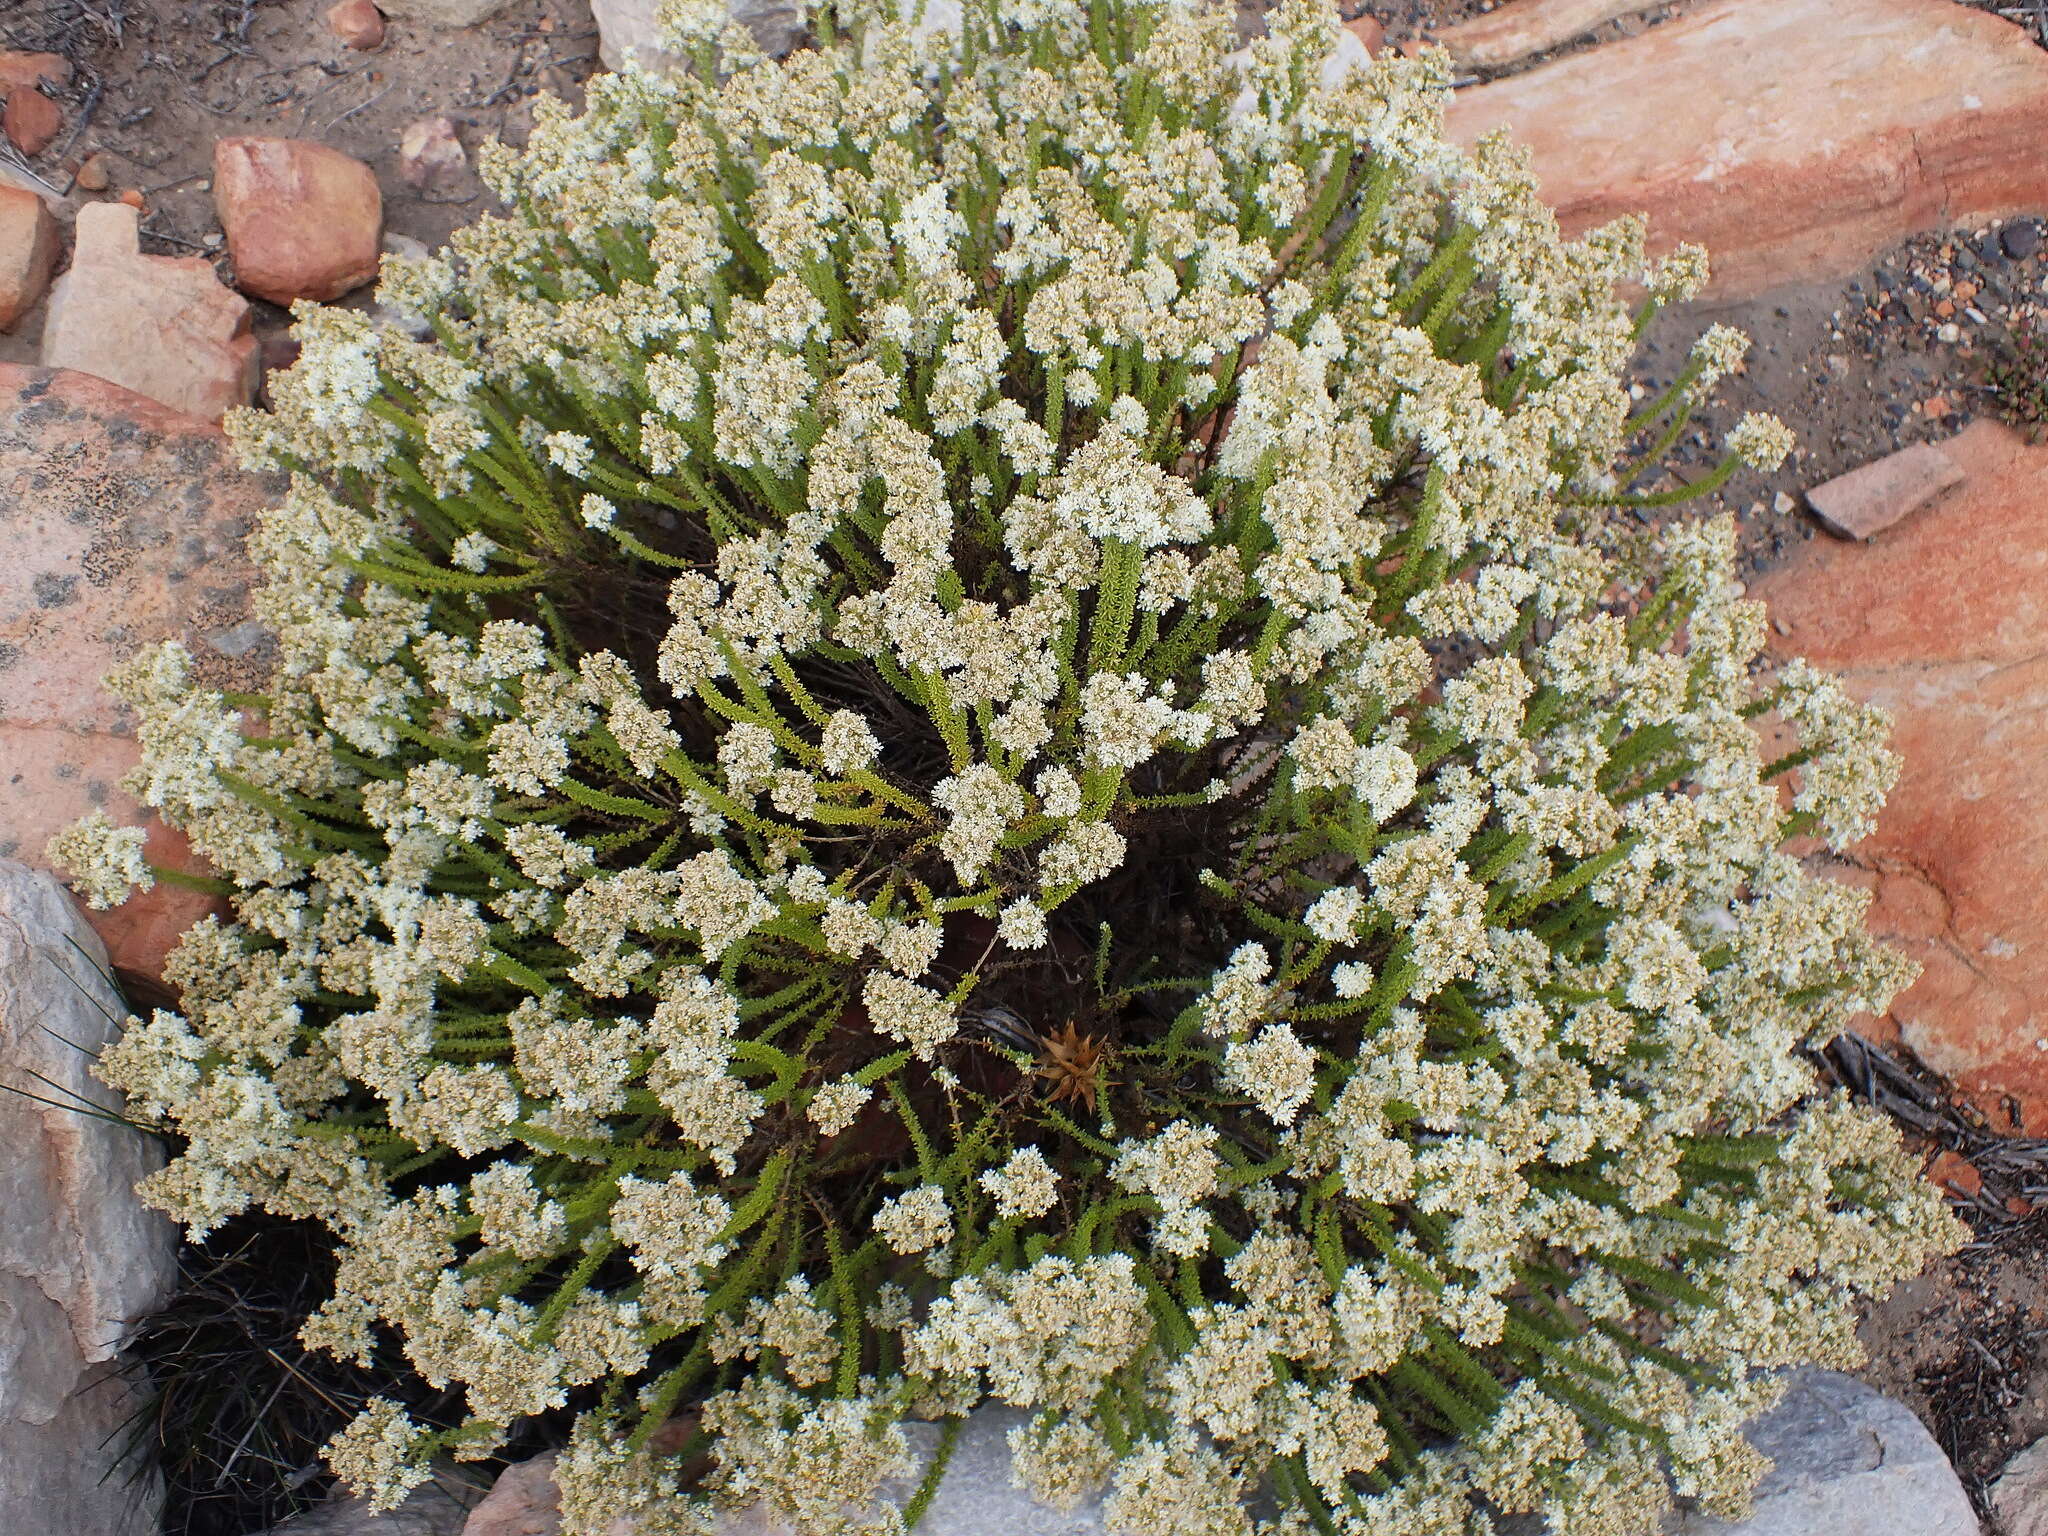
(414, 326)
(976, 1494)
(2020, 1496)
(975, 1497)
(625, 30)
(432, 1510)
(1347, 54)
(68, 1475)
(2020, 240)
(1848, 1461)
(80, 1259)
(443, 13)
(238, 639)
(395, 244)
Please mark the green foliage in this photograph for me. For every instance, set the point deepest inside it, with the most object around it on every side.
(2017, 377)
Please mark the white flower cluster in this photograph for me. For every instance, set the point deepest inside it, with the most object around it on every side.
(963, 734)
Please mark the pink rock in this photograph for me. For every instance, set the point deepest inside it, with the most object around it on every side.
(303, 221)
(28, 251)
(1866, 501)
(357, 23)
(121, 524)
(525, 1502)
(522, 1502)
(1370, 31)
(31, 120)
(430, 156)
(1793, 138)
(163, 326)
(1945, 623)
(1524, 27)
(26, 71)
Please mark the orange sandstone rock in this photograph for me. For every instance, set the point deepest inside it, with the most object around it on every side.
(31, 120)
(121, 524)
(26, 71)
(162, 326)
(303, 221)
(1956, 1173)
(1793, 138)
(1369, 30)
(357, 23)
(28, 250)
(1944, 622)
(1520, 28)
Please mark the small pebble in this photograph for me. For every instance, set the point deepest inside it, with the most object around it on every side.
(132, 196)
(31, 120)
(1950, 332)
(1868, 500)
(1782, 503)
(277, 348)
(92, 174)
(357, 23)
(27, 70)
(2020, 240)
(430, 156)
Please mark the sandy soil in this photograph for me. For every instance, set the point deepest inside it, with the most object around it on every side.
(157, 82)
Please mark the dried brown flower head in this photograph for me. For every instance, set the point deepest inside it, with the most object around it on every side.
(1072, 1064)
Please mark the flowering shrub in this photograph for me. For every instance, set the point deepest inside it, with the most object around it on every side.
(973, 730)
(2017, 378)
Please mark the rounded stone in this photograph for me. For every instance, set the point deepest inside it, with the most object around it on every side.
(303, 221)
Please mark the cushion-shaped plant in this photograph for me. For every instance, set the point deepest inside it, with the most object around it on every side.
(975, 728)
